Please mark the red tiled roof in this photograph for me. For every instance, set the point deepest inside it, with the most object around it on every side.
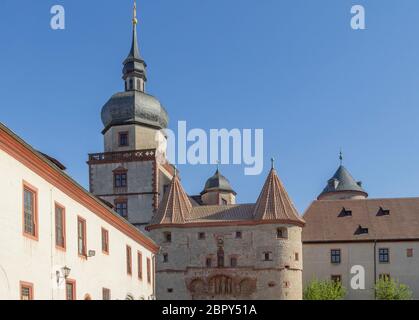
(274, 202)
(326, 223)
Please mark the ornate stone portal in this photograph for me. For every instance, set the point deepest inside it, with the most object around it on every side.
(222, 286)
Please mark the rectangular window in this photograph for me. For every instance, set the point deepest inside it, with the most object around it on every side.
(409, 253)
(26, 291)
(81, 236)
(267, 256)
(106, 294)
(140, 265)
(105, 241)
(239, 235)
(335, 256)
(121, 207)
(70, 289)
(384, 255)
(148, 270)
(297, 256)
(120, 180)
(60, 226)
(208, 262)
(129, 260)
(30, 212)
(336, 278)
(123, 139)
(233, 262)
(165, 257)
(168, 237)
(201, 236)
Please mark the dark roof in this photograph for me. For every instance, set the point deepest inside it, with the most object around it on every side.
(341, 181)
(218, 183)
(385, 219)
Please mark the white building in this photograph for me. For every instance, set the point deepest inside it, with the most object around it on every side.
(345, 229)
(57, 241)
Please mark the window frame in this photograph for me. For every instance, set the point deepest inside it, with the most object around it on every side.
(148, 270)
(122, 202)
(120, 135)
(202, 236)
(106, 292)
(234, 261)
(120, 174)
(82, 254)
(63, 226)
(334, 254)
(73, 283)
(384, 253)
(105, 241)
(129, 260)
(140, 265)
(34, 191)
(410, 252)
(26, 285)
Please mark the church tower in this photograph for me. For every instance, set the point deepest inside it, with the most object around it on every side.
(132, 172)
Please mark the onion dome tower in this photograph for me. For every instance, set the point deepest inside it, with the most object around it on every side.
(218, 191)
(133, 111)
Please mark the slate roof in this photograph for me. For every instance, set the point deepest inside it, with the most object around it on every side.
(342, 180)
(218, 183)
(385, 219)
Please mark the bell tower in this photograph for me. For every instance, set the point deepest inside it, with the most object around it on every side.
(132, 172)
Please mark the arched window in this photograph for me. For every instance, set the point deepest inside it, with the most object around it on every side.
(220, 258)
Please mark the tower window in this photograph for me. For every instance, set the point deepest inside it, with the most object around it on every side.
(233, 262)
(297, 256)
(120, 180)
(208, 262)
(267, 256)
(131, 84)
(281, 233)
(220, 258)
(121, 207)
(168, 237)
(201, 236)
(165, 257)
(123, 139)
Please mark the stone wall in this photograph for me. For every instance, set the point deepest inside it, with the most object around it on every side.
(183, 273)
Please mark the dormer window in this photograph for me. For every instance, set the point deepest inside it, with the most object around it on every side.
(361, 230)
(123, 139)
(383, 212)
(345, 213)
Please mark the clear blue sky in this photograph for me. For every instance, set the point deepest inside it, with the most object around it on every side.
(292, 67)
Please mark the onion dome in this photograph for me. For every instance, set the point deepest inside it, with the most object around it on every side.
(218, 183)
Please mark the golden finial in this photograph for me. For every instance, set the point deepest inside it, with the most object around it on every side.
(134, 19)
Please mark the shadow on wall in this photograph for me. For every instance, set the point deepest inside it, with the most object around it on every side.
(4, 285)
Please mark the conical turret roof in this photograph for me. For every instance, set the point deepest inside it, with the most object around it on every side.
(342, 181)
(175, 207)
(274, 202)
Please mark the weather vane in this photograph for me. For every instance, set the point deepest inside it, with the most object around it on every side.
(341, 157)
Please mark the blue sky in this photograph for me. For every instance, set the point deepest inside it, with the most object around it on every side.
(292, 67)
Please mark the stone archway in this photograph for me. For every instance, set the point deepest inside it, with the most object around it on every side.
(221, 285)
